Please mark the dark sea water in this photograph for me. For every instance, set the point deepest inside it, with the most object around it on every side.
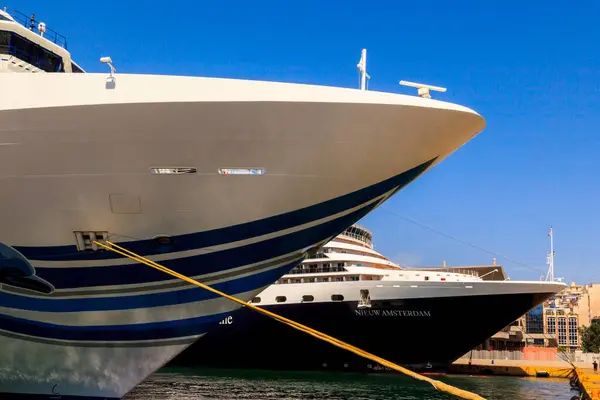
(186, 384)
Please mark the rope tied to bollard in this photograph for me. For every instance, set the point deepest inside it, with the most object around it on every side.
(441, 386)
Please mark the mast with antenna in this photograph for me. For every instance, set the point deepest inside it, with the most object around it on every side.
(550, 261)
(362, 68)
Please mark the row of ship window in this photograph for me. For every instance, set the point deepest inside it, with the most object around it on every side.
(319, 279)
(32, 53)
(312, 268)
(15, 45)
(305, 298)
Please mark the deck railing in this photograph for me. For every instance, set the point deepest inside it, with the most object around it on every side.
(32, 24)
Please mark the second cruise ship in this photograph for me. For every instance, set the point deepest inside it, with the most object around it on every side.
(422, 318)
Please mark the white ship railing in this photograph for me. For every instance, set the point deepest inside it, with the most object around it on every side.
(355, 236)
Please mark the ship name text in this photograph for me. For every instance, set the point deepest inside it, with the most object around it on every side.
(393, 313)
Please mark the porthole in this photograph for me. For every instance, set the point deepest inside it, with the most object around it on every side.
(280, 299)
(337, 297)
(163, 239)
(307, 297)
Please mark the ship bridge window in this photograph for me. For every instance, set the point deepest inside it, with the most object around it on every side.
(75, 68)
(32, 53)
(4, 41)
(337, 297)
(3, 18)
(280, 299)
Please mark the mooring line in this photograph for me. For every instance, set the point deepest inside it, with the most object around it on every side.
(441, 386)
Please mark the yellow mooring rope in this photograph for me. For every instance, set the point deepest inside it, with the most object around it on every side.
(463, 394)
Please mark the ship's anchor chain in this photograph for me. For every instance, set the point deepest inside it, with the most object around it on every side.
(574, 382)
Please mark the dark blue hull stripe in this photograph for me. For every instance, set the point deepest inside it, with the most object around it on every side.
(238, 232)
(70, 278)
(137, 332)
(184, 296)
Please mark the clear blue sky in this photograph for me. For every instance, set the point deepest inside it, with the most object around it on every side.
(532, 69)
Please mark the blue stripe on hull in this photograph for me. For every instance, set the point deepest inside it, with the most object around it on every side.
(201, 264)
(134, 332)
(145, 331)
(181, 296)
(238, 232)
(137, 273)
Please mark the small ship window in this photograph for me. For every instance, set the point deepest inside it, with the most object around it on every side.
(256, 300)
(3, 18)
(337, 297)
(307, 297)
(426, 278)
(75, 68)
(4, 41)
(280, 299)
(163, 239)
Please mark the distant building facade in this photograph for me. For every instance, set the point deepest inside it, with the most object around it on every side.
(563, 325)
(556, 323)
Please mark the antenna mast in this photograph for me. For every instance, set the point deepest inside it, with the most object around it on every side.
(362, 68)
(550, 262)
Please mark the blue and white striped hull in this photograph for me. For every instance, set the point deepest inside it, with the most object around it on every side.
(100, 341)
(80, 160)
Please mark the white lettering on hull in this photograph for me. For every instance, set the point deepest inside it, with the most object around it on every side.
(392, 313)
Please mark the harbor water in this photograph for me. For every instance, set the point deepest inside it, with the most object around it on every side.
(187, 384)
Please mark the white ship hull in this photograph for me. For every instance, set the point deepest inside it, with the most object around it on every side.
(75, 155)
